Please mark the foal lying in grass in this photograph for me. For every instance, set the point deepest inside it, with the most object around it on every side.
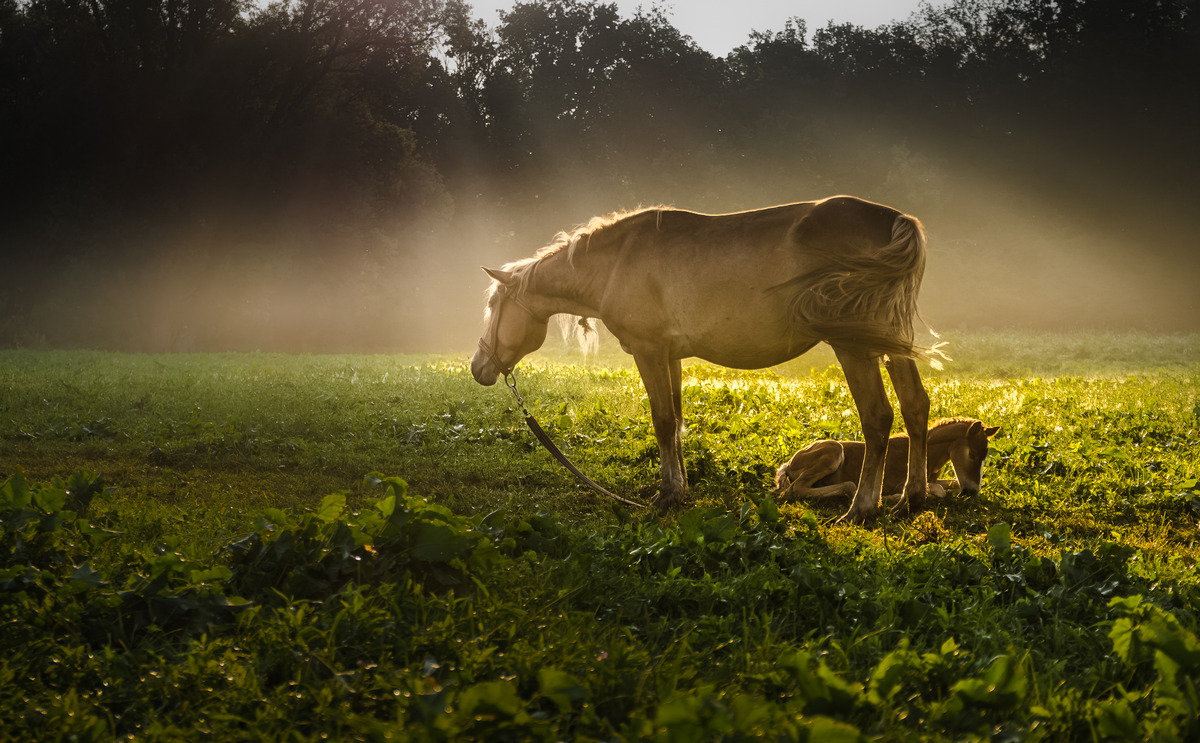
(829, 468)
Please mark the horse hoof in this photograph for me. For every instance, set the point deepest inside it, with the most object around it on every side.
(908, 506)
(856, 517)
(665, 502)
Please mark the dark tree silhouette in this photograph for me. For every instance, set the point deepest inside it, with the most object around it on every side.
(334, 143)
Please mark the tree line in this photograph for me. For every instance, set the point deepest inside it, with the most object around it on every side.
(335, 147)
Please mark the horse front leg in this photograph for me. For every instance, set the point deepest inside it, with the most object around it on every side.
(677, 404)
(914, 408)
(656, 370)
(875, 414)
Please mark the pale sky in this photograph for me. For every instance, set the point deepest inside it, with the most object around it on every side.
(720, 25)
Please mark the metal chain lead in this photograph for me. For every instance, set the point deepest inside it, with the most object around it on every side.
(510, 380)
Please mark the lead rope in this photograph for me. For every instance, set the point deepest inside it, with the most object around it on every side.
(510, 379)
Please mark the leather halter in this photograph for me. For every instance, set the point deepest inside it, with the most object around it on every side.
(489, 349)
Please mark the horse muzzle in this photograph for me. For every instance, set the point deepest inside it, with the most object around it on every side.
(484, 369)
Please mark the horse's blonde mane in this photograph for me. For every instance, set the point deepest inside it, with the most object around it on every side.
(571, 241)
(582, 234)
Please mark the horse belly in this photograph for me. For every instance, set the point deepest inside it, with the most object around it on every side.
(750, 330)
(771, 352)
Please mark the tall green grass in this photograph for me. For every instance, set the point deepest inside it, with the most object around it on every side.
(234, 575)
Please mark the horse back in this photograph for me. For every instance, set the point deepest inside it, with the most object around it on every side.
(834, 225)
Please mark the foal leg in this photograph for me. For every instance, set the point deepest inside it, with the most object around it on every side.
(655, 369)
(795, 479)
(936, 490)
(914, 407)
(875, 414)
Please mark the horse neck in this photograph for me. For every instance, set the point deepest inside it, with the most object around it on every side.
(941, 437)
(560, 285)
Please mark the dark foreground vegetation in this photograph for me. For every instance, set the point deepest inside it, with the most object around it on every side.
(241, 570)
(328, 174)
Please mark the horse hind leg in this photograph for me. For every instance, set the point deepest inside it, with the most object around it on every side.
(914, 407)
(875, 414)
(795, 479)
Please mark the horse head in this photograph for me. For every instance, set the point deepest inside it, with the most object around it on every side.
(513, 330)
(967, 455)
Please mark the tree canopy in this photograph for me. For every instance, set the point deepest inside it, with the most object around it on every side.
(163, 156)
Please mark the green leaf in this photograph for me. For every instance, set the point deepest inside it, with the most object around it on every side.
(50, 500)
(438, 543)
(827, 730)
(14, 495)
(679, 711)
(1000, 538)
(1003, 685)
(560, 687)
(82, 488)
(768, 511)
(1115, 719)
(331, 507)
(219, 572)
(83, 578)
(1006, 676)
(386, 506)
(888, 675)
(275, 516)
(491, 698)
(397, 486)
(1125, 604)
(1168, 671)
(720, 529)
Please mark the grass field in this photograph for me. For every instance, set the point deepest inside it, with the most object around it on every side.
(251, 565)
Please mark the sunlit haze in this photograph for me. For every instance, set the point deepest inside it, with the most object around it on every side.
(251, 186)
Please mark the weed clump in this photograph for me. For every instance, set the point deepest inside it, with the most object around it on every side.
(402, 617)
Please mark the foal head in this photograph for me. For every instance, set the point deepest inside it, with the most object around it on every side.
(513, 330)
(967, 454)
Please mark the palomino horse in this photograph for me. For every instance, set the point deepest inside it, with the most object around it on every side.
(828, 468)
(746, 290)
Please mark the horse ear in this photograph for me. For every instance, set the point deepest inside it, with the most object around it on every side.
(990, 432)
(503, 277)
(975, 426)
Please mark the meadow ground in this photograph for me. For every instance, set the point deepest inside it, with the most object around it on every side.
(239, 570)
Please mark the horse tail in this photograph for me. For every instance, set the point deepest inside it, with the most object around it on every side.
(866, 301)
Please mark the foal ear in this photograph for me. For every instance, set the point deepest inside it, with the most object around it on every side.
(990, 432)
(501, 276)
